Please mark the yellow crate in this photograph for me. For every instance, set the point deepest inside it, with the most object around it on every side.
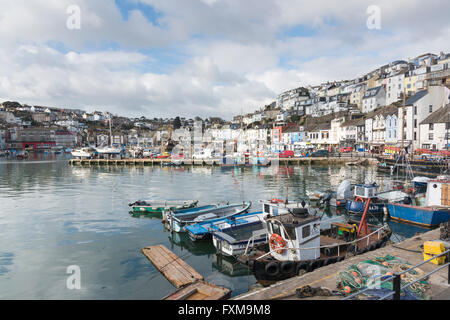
(432, 248)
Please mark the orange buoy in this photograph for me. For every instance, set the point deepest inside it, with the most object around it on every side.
(347, 289)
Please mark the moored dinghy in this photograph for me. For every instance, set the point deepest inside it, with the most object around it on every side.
(177, 222)
(158, 206)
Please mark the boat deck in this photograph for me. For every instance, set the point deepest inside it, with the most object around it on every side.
(178, 272)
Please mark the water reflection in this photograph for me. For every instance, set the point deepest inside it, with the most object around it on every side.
(54, 215)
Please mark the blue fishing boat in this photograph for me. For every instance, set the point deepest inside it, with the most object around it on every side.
(361, 192)
(203, 230)
(178, 221)
(433, 212)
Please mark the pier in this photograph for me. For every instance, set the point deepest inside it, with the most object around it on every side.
(325, 277)
(218, 162)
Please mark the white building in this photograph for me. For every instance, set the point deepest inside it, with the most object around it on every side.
(418, 108)
(435, 129)
(394, 88)
(374, 98)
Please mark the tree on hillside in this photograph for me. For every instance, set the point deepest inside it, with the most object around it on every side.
(177, 123)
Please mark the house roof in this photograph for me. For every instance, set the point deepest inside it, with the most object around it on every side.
(416, 97)
(442, 115)
(372, 92)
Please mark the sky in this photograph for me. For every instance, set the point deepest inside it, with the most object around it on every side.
(207, 58)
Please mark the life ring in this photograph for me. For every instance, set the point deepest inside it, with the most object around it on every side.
(277, 242)
(359, 199)
(276, 200)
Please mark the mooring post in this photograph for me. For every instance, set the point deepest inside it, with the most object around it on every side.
(397, 287)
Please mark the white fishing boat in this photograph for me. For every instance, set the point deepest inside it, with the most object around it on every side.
(233, 241)
(87, 152)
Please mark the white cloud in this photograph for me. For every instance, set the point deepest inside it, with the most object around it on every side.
(231, 56)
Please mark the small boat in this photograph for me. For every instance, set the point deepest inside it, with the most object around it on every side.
(200, 290)
(203, 230)
(339, 198)
(178, 221)
(158, 206)
(87, 152)
(22, 155)
(434, 211)
(297, 245)
(233, 241)
(165, 213)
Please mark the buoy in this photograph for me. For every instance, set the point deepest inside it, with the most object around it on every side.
(385, 264)
(354, 273)
(347, 289)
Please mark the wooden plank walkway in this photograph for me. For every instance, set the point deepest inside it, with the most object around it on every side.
(178, 272)
(200, 290)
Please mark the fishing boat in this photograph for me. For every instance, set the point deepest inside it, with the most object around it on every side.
(178, 222)
(233, 241)
(87, 152)
(434, 211)
(158, 206)
(339, 198)
(297, 245)
(362, 191)
(203, 230)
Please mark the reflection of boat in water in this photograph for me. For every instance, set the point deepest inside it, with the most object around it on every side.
(229, 266)
(197, 249)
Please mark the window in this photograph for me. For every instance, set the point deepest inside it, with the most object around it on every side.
(431, 127)
(431, 108)
(415, 110)
(415, 135)
(430, 136)
(266, 208)
(276, 229)
(306, 231)
(447, 126)
(415, 123)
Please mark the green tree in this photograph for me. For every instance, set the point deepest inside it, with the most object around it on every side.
(177, 123)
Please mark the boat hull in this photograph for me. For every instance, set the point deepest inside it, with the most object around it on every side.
(357, 207)
(421, 216)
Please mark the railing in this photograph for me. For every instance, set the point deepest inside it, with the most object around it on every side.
(396, 279)
(378, 231)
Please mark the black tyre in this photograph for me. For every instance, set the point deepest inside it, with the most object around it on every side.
(287, 267)
(272, 269)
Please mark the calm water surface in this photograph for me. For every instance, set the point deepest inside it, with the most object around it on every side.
(53, 215)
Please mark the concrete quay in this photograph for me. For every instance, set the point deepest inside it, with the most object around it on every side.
(325, 277)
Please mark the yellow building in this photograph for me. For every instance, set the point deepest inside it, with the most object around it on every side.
(410, 85)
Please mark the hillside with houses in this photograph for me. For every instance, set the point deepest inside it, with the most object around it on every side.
(400, 104)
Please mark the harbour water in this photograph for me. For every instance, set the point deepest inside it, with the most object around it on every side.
(53, 215)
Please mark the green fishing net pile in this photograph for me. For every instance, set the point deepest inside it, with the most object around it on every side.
(368, 274)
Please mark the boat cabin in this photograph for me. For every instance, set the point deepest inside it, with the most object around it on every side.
(438, 193)
(275, 207)
(366, 191)
(296, 230)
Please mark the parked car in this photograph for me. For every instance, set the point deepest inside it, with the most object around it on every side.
(286, 154)
(320, 153)
(347, 149)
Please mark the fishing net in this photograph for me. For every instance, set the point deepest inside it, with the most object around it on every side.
(369, 274)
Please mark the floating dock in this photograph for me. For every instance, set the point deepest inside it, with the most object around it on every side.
(178, 272)
(200, 290)
(325, 277)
